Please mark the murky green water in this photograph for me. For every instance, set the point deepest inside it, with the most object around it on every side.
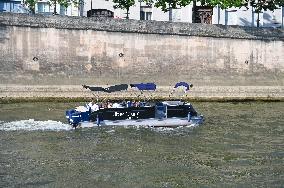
(240, 145)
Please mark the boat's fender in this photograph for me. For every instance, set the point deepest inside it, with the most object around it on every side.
(188, 116)
(98, 119)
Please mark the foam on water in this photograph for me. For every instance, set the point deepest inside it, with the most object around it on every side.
(181, 130)
(32, 125)
(50, 125)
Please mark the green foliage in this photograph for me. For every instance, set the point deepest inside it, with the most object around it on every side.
(65, 3)
(124, 4)
(165, 5)
(31, 4)
(224, 4)
(258, 4)
(261, 5)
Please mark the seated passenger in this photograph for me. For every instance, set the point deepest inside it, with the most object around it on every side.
(109, 104)
(93, 106)
(116, 105)
(81, 109)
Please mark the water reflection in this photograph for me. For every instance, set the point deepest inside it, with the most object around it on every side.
(240, 145)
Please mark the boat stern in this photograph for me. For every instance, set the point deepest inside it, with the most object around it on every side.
(197, 120)
(74, 117)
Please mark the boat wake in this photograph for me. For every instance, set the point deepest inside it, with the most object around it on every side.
(50, 125)
(32, 125)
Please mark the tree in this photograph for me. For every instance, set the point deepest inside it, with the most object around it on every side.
(263, 5)
(124, 4)
(224, 4)
(31, 4)
(258, 5)
(168, 5)
(64, 3)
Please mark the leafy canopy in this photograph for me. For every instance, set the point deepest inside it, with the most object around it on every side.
(64, 3)
(165, 5)
(259, 5)
(225, 3)
(31, 4)
(124, 4)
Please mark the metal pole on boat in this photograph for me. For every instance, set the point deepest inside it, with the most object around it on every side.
(97, 97)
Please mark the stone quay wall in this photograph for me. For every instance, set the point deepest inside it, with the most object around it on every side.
(52, 56)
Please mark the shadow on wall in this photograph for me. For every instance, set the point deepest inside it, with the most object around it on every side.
(263, 33)
(270, 21)
(244, 21)
(3, 33)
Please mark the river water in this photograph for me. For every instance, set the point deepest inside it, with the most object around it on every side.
(239, 145)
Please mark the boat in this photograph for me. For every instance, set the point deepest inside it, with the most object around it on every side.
(130, 113)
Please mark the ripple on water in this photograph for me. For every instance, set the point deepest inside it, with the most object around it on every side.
(32, 125)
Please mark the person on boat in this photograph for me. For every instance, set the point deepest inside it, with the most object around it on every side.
(109, 104)
(123, 103)
(81, 109)
(93, 106)
(133, 103)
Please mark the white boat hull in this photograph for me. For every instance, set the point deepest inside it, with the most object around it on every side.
(152, 122)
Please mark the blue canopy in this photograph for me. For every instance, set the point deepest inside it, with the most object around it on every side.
(183, 84)
(145, 86)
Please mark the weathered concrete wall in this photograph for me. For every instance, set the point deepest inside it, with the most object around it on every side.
(36, 50)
